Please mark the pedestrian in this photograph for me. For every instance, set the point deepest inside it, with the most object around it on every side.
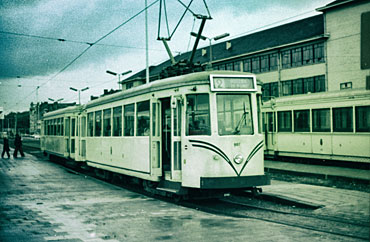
(5, 146)
(18, 146)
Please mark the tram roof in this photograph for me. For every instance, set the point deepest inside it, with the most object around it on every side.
(195, 78)
(70, 109)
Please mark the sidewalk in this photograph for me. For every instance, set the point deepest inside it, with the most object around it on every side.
(325, 171)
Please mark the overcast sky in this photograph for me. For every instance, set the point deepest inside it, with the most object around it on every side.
(31, 54)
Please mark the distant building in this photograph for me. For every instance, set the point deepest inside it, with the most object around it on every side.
(37, 112)
(326, 52)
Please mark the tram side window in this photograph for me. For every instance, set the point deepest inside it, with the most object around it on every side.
(73, 127)
(197, 115)
(143, 118)
(285, 121)
(363, 119)
(234, 114)
(83, 127)
(66, 130)
(342, 119)
(129, 118)
(302, 121)
(61, 126)
(117, 121)
(106, 122)
(321, 120)
(90, 124)
(98, 123)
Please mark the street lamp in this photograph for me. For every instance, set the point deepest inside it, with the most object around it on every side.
(79, 92)
(60, 99)
(119, 75)
(218, 37)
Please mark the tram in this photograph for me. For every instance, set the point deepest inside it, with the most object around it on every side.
(196, 132)
(331, 126)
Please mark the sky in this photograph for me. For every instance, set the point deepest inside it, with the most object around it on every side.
(48, 46)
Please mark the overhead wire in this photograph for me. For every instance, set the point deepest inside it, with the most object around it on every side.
(84, 51)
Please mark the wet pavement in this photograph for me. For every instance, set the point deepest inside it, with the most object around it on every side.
(42, 201)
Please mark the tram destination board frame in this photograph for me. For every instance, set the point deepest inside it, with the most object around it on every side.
(233, 83)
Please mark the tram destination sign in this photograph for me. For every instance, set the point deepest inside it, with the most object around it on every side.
(233, 83)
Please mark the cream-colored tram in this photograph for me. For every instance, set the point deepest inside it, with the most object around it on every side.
(183, 134)
(326, 126)
(60, 133)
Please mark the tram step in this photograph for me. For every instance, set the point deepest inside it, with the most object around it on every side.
(165, 189)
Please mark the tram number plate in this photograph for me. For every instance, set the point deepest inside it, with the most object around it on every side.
(233, 83)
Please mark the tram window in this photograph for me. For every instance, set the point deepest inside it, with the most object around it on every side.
(363, 119)
(259, 113)
(285, 121)
(197, 115)
(83, 127)
(98, 123)
(129, 118)
(302, 121)
(106, 122)
(73, 128)
(342, 119)
(117, 121)
(66, 130)
(61, 126)
(234, 114)
(90, 124)
(321, 120)
(143, 119)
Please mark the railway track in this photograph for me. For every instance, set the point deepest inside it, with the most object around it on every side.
(245, 206)
(239, 207)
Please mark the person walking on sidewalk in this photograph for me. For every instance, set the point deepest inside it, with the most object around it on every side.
(18, 146)
(5, 146)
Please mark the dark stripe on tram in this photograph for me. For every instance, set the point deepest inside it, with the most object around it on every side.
(117, 167)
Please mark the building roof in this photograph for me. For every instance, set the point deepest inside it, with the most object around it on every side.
(265, 40)
(337, 3)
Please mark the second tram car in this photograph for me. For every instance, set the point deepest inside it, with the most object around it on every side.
(326, 126)
(200, 131)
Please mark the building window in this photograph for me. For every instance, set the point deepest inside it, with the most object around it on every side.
(265, 63)
(285, 121)
(308, 85)
(90, 124)
(307, 55)
(301, 121)
(297, 86)
(342, 119)
(346, 85)
(273, 61)
(230, 66)
(247, 64)
(98, 123)
(143, 118)
(319, 53)
(287, 88)
(320, 83)
(297, 57)
(129, 119)
(270, 90)
(286, 58)
(117, 121)
(197, 115)
(107, 122)
(222, 67)
(363, 119)
(256, 65)
(321, 120)
(237, 66)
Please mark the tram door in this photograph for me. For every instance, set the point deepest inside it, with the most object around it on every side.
(155, 138)
(176, 118)
(67, 136)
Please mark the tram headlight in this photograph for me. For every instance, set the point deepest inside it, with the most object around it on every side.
(238, 158)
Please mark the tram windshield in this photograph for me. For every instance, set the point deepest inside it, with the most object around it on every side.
(234, 114)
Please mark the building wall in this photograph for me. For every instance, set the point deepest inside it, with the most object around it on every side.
(343, 46)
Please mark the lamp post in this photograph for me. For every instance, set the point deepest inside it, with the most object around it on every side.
(79, 92)
(218, 37)
(119, 75)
